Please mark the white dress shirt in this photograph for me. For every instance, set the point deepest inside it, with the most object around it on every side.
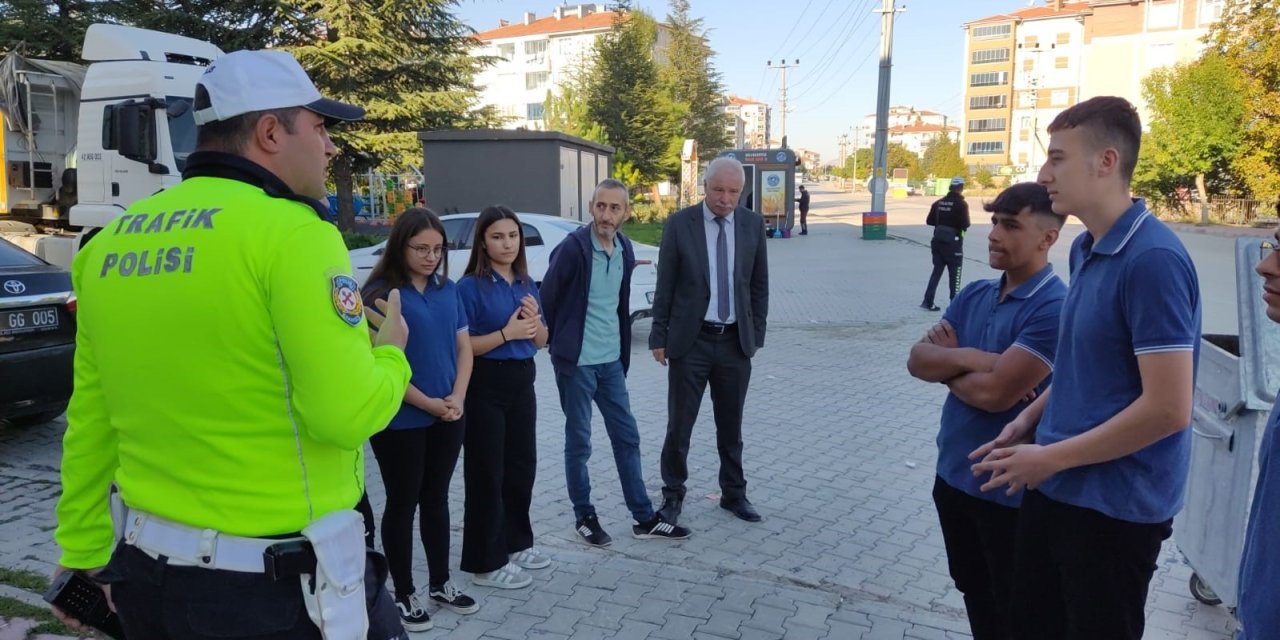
(713, 233)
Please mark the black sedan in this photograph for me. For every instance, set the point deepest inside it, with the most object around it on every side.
(37, 337)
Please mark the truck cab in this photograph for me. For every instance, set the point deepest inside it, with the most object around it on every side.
(80, 148)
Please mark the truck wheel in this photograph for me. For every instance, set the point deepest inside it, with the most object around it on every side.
(1201, 591)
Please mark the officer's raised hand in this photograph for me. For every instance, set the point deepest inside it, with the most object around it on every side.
(392, 329)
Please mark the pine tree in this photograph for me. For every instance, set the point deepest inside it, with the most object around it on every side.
(625, 99)
(50, 29)
(407, 63)
(232, 25)
(694, 85)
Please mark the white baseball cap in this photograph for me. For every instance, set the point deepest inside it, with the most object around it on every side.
(245, 81)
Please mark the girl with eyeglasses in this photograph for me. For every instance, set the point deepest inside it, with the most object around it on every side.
(418, 451)
(506, 328)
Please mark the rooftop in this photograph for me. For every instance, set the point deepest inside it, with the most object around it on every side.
(1036, 13)
(565, 20)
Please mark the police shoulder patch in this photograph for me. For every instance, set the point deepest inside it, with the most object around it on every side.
(346, 299)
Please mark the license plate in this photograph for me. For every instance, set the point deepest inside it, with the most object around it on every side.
(28, 320)
(648, 296)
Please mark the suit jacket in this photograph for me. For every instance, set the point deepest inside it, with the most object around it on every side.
(684, 281)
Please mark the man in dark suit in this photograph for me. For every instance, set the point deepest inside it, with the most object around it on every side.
(709, 315)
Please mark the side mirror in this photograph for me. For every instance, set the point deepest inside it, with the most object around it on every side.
(130, 129)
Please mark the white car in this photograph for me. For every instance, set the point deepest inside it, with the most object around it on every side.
(541, 234)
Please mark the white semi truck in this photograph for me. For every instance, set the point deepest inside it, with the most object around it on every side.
(78, 144)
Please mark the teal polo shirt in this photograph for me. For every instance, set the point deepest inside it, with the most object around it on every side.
(600, 332)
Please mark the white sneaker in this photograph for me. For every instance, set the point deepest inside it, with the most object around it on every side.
(509, 576)
(531, 558)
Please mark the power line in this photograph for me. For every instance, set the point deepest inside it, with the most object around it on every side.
(849, 37)
(832, 51)
(792, 30)
(842, 84)
(839, 19)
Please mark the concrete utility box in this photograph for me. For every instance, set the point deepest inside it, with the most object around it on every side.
(531, 171)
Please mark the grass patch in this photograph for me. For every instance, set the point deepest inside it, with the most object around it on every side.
(644, 232)
(25, 580)
(11, 608)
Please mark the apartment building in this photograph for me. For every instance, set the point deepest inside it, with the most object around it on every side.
(538, 55)
(910, 127)
(755, 117)
(1025, 67)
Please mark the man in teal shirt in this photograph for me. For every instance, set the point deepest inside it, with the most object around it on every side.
(585, 295)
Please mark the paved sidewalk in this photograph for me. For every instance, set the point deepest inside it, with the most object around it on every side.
(839, 459)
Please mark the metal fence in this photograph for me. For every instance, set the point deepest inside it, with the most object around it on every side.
(1234, 211)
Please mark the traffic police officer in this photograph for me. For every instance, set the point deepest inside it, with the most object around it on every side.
(949, 217)
(224, 380)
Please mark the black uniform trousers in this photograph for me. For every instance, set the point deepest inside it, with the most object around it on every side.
(979, 537)
(159, 601)
(949, 256)
(717, 360)
(1080, 574)
(500, 464)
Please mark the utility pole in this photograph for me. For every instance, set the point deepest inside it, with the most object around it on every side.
(880, 180)
(857, 144)
(782, 64)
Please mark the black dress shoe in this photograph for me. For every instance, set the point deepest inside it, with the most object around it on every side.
(671, 508)
(741, 508)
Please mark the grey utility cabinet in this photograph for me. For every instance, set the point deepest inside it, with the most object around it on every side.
(529, 171)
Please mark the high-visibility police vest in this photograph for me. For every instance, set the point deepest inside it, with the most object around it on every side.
(223, 374)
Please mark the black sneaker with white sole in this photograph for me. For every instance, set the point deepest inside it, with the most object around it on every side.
(412, 615)
(449, 597)
(658, 529)
(592, 533)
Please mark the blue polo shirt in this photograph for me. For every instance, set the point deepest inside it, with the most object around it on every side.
(600, 332)
(1260, 566)
(1134, 292)
(489, 302)
(1027, 318)
(435, 318)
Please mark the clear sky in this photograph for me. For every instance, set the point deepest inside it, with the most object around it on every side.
(838, 45)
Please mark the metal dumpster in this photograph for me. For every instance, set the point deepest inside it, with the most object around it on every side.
(1235, 388)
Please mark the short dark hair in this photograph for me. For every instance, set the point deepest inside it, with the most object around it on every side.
(1026, 195)
(1108, 121)
(233, 134)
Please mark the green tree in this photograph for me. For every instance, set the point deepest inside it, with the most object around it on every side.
(692, 82)
(942, 158)
(1248, 37)
(862, 160)
(566, 111)
(900, 157)
(983, 176)
(407, 63)
(624, 98)
(232, 25)
(1196, 123)
(50, 29)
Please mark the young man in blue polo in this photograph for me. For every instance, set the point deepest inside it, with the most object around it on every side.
(1107, 446)
(994, 350)
(585, 296)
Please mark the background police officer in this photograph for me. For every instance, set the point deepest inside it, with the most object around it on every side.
(223, 375)
(949, 217)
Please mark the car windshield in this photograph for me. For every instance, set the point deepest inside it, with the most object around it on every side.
(182, 131)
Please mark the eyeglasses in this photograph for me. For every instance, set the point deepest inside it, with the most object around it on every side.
(423, 251)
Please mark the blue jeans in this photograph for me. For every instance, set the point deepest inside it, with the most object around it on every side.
(607, 386)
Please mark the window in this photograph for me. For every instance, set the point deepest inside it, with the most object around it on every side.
(455, 229)
(1060, 62)
(1031, 42)
(1024, 135)
(1022, 158)
(1211, 11)
(1163, 14)
(982, 56)
(987, 102)
(535, 47)
(1064, 38)
(536, 80)
(987, 124)
(533, 111)
(1024, 122)
(989, 32)
(1059, 97)
(507, 51)
(531, 236)
(986, 147)
(988, 79)
(1028, 64)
